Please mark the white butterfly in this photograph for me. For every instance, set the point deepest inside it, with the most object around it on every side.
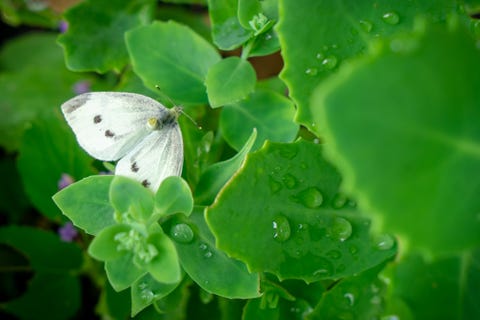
(138, 130)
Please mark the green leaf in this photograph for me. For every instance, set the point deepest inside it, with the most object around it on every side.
(357, 297)
(28, 86)
(86, 203)
(49, 150)
(94, 40)
(215, 177)
(173, 57)
(165, 267)
(31, 13)
(173, 196)
(229, 81)
(122, 272)
(227, 32)
(280, 215)
(423, 123)
(13, 200)
(129, 196)
(44, 250)
(445, 288)
(36, 302)
(209, 267)
(318, 36)
(267, 111)
(247, 9)
(104, 246)
(146, 290)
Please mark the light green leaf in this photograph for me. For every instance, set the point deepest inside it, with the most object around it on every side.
(267, 111)
(86, 203)
(408, 142)
(209, 267)
(247, 9)
(95, 40)
(215, 177)
(173, 57)
(281, 214)
(227, 32)
(146, 290)
(165, 267)
(122, 272)
(173, 196)
(129, 196)
(104, 246)
(229, 81)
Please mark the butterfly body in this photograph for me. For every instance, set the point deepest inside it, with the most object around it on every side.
(136, 130)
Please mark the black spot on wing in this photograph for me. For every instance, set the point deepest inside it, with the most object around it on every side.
(145, 183)
(97, 119)
(134, 167)
(109, 134)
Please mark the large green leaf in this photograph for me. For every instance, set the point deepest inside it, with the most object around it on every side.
(446, 288)
(49, 150)
(318, 36)
(281, 214)
(402, 127)
(173, 57)
(95, 39)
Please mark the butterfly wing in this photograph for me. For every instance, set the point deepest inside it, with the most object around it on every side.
(155, 158)
(109, 124)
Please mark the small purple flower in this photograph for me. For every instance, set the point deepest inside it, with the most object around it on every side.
(82, 86)
(67, 232)
(64, 181)
(63, 26)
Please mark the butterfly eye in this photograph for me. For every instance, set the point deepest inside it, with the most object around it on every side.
(152, 123)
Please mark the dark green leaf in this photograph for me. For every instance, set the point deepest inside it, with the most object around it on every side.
(173, 57)
(95, 40)
(267, 111)
(86, 203)
(279, 215)
(416, 140)
(229, 81)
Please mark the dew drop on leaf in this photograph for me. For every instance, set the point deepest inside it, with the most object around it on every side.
(182, 233)
(330, 62)
(311, 71)
(281, 228)
(341, 229)
(366, 25)
(320, 56)
(311, 198)
(147, 295)
(274, 185)
(391, 18)
(289, 181)
(323, 269)
(339, 201)
(384, 242)
(350, 299)
(334, 254)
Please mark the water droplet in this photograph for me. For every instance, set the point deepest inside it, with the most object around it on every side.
(353, 249)
(324, 269)
(320, 56)
(341, 229)
(339, 201)
(384, 242)
(142, 285)
(268, 36)
(376, 300)
(366, 25)
(334, 254)
(330, 62)
(310, 198)
(350, 299)
(203, 246)
(311, 71)
(391, 18)
(289, 181)
(182, 233)
(391, 317)
(147, 295)
(274, 185)
(281, 228)
(208, 254)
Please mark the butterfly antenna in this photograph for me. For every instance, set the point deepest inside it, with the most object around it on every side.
(181, 109)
